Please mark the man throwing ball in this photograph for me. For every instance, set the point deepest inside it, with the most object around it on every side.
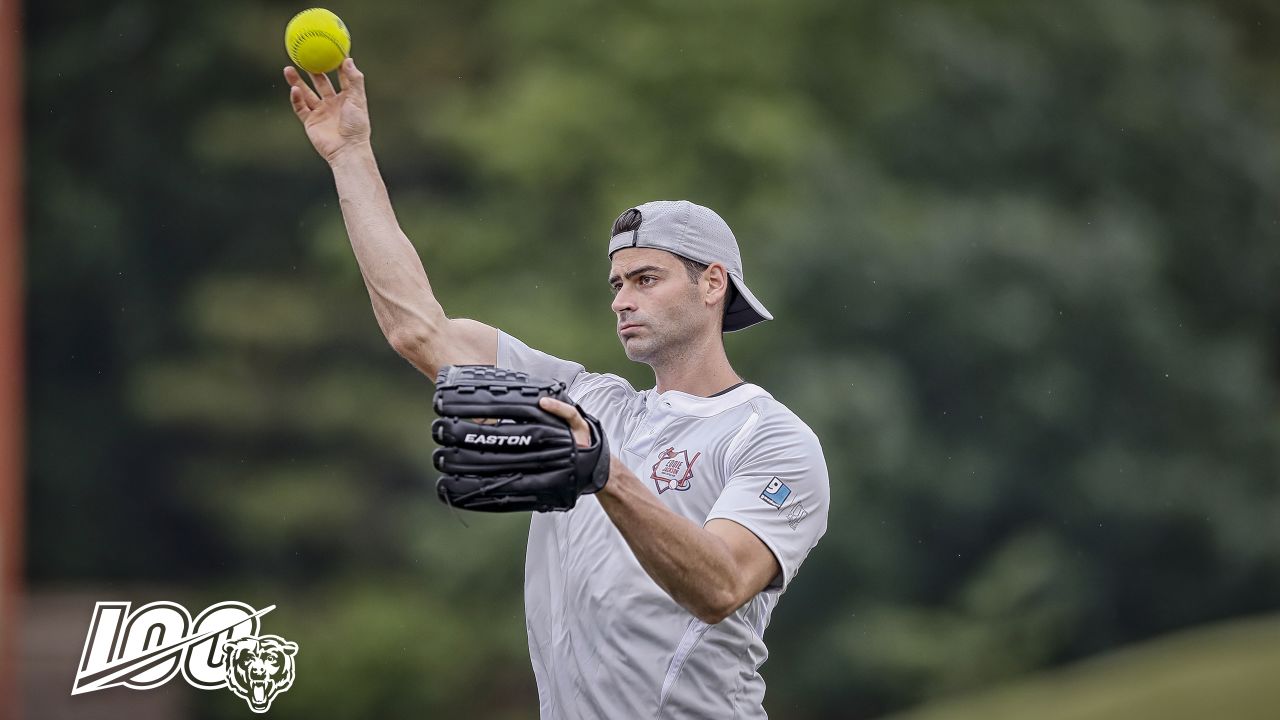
(650, 597)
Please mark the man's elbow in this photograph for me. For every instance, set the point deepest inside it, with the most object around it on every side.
(717, 606)
(414, 343)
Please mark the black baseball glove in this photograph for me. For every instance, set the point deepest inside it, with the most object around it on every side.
(501, 452)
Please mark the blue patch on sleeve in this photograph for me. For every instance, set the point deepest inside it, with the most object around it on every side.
(775, 493)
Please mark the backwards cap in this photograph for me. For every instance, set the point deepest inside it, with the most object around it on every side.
(697, 233)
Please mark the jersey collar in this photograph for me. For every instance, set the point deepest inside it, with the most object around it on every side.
(682, 403)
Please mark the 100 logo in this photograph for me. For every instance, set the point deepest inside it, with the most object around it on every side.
(221, 647)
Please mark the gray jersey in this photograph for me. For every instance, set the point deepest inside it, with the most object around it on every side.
(604, 639)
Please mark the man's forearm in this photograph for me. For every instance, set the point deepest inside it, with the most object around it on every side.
(694, 566)
(398, 288)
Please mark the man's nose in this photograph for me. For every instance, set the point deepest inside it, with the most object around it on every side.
(622, 301)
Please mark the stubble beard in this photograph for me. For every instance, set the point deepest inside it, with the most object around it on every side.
(664, 340)
(661, 343)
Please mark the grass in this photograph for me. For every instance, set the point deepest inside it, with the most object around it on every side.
(1228, 671)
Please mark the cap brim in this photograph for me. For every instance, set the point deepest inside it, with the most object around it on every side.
(745, 310)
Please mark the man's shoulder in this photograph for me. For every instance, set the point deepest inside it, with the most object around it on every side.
(601, 384)
(776, 417)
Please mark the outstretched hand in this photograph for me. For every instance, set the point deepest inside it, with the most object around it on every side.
(335, 121)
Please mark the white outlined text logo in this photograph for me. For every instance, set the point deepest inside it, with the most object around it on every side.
(221, 648)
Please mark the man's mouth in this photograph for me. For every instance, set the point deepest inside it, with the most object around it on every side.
(627, 326)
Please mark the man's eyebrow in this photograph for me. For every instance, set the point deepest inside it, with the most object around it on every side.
(632, 273)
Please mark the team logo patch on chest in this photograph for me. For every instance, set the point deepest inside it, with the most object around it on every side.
(674, 469)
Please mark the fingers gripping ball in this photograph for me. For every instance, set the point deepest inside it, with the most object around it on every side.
(527, 460)
(317, 40)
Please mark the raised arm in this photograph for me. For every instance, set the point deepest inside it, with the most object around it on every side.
(413, 321)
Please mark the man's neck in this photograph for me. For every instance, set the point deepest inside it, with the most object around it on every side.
(702, 372)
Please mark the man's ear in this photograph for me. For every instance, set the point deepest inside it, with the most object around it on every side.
(717, 278)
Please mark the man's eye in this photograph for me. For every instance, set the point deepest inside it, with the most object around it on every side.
(615, 288)
(648, 280)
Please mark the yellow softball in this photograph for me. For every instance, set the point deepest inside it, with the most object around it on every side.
(317, 40)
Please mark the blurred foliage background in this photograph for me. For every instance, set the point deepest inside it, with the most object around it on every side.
(1023, 258)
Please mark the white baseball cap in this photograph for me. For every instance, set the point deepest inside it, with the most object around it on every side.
(697, 233)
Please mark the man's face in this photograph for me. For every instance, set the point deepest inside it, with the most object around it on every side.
(659, 310)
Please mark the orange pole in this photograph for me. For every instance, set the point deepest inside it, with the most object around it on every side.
(12, 507)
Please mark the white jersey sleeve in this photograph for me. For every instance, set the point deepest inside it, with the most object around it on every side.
(593, 390)
(515, 355)
(778, 487)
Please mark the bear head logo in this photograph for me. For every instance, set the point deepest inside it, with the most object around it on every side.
(259, 668)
